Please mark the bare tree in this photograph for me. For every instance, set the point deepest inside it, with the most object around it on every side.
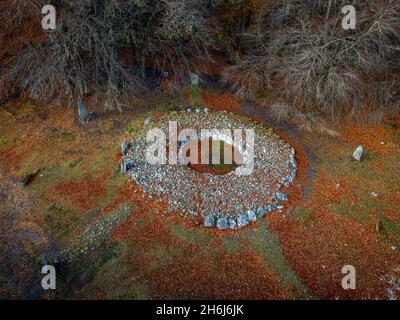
(303, 51)
(84, 55)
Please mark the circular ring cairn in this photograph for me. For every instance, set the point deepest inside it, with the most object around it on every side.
(225, 200)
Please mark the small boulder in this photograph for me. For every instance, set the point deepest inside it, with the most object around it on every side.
(148, 121)
(270, 208)
(281, 196)
(223, 223)
(261, 211)
(251, 215)
(165, 74)
(210, 221)
(233, 223)
(290, 179)
(287, 184)
(358, 153)
(242, 220)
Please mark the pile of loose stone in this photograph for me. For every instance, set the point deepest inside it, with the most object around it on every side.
(225, 201)
(95, 235)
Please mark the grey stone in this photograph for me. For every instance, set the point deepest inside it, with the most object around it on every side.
(194, 79)
(358, 153)
(83, 112)
(242, 220)
(261, 211)
(210, 221)
(124, 147)
(287, 184)
(290, 178)
(281, 196)
(126, 165)
(233, 223)
(223, 223)
(251, 215)
(148, 121)
(123, 167)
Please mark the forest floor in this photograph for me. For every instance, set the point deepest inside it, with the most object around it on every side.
(341, 212)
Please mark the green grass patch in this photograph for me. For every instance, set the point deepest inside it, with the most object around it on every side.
(390, 228)
(160, 257)
(355, 212)
(304, 216)
(375, 204)
(76, 162)
(197, 236)
(232, 244)
(267, 244)
(60, 222)
(341, 209)
(68, 137)
(3, 141)
(195, 96)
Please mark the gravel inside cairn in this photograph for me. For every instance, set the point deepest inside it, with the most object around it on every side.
(227, 201)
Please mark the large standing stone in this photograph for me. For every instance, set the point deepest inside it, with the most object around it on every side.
(358, 153)
(126, 165)
(125, 147)
(194, 79)
(83, 112)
